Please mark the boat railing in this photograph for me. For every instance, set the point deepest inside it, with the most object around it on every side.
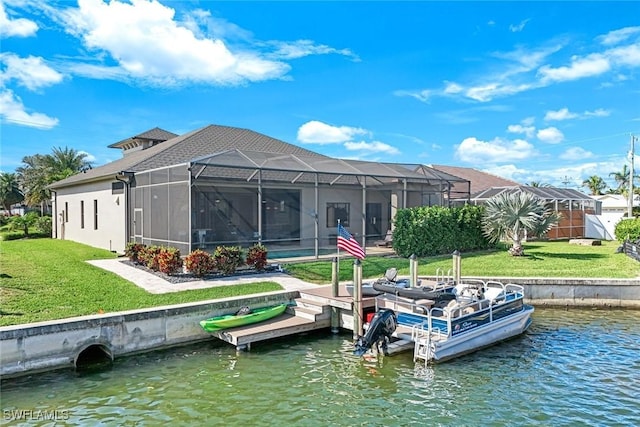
(442, 278)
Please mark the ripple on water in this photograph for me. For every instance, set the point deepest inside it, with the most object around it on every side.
(578, 367)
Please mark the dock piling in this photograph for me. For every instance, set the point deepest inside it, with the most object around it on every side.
(357, 299)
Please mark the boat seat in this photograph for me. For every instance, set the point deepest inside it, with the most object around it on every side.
(492, 294)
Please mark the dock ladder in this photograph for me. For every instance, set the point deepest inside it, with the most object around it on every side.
(422, 339)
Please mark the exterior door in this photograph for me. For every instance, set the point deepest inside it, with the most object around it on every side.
(374, 220)
(137, 225)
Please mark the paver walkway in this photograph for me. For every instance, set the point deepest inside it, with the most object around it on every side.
(157, 285)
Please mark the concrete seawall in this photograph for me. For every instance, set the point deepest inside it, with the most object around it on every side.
(30, 348)
(42, 346)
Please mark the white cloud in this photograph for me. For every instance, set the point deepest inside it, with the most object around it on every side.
(317, 132)
(371, 147)
(625, 55)
(88, 157)
(13, 111)
(529, 131)
(550, 135)
(561, 114)
(475, 151)
(30, 72)
(589, 66)
(451, 88)
(301, 48)
(617, 36)
(518, 27)
(511, 172)
(576, 153)
(19, 27)
(565, 114)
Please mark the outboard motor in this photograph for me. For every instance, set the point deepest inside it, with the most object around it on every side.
(382, 325)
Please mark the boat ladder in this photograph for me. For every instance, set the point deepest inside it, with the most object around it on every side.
(422, 338)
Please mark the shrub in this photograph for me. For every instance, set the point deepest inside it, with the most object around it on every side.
(134, 251)
(43, 225)
(257, 257)
(23, 222)
(199, 263)
(149, 257)
(627, 229)
(227, 259)
(169, 261)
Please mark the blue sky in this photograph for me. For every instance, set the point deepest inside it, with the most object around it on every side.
(540, 91)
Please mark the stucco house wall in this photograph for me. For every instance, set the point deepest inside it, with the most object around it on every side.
(76, 218)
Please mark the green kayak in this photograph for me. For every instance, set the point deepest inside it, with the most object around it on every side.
(233, 320)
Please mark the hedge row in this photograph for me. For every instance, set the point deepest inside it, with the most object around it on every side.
(436, 230)
(225, 259)
(627, 229)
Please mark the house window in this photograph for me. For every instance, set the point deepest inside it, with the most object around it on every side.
(337, 211)
(81, 213)
(95, 214)
(66, 212)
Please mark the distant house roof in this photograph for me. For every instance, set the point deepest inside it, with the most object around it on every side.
(479, 180)
(155, 134)
(545, 193)
(616, 201)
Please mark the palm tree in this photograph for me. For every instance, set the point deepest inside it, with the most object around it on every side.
(10, 192)
(595, 184)
(38, 171)
(508, 216)
(622, 178)
(538, 184)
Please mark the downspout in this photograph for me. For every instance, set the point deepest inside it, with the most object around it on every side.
(54, 218)
(127, 214)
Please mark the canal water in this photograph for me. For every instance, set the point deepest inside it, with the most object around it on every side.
(575, 367)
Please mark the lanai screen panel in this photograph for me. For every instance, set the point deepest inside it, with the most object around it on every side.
(159, 208)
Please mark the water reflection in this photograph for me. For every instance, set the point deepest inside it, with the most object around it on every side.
(573, 367)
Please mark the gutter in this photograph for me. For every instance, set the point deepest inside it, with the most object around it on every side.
(127, 189)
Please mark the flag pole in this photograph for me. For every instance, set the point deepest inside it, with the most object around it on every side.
(338, 251)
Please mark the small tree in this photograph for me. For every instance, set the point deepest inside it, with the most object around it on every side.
(23, 222)
(508, 216)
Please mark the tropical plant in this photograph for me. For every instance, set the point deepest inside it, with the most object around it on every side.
(595, 184)
(40, 170)
(43, 225)
(257, 257)
(23, 222)
(227, 259)
(169, 261)
(198, 263)
(627, 229)
(508, 216)
(10, 192)
(622, 179)
(538, 184)
(133, 251)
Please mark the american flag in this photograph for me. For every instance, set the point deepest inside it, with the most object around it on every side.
(349, 244)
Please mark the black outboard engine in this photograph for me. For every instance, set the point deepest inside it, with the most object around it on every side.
(382, 325)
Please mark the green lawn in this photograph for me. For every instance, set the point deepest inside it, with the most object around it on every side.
(543, 259)
(45, 279)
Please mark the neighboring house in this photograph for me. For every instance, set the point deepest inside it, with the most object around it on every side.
(221, 185)
(612, 208)
(478, 180)
(571, 204)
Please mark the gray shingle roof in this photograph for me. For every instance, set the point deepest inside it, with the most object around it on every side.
(479, 180)
(155, 134)
(184, 148)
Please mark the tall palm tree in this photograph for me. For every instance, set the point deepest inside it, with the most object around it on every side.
(595, 184)
(622, 178)
(538, 184)
(10, 192)
(508, 216)
(40, 170)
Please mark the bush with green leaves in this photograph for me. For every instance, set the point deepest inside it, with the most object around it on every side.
(257, 257)
(133, 251)
(227, 259)
(199, 263)
(435, 230)
(43, 225)
(169, 260)
(627, 229)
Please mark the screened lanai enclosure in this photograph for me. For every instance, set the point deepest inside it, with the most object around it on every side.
(289, 203)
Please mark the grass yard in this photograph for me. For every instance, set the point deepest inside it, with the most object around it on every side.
(542, 259)
(45, 279)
